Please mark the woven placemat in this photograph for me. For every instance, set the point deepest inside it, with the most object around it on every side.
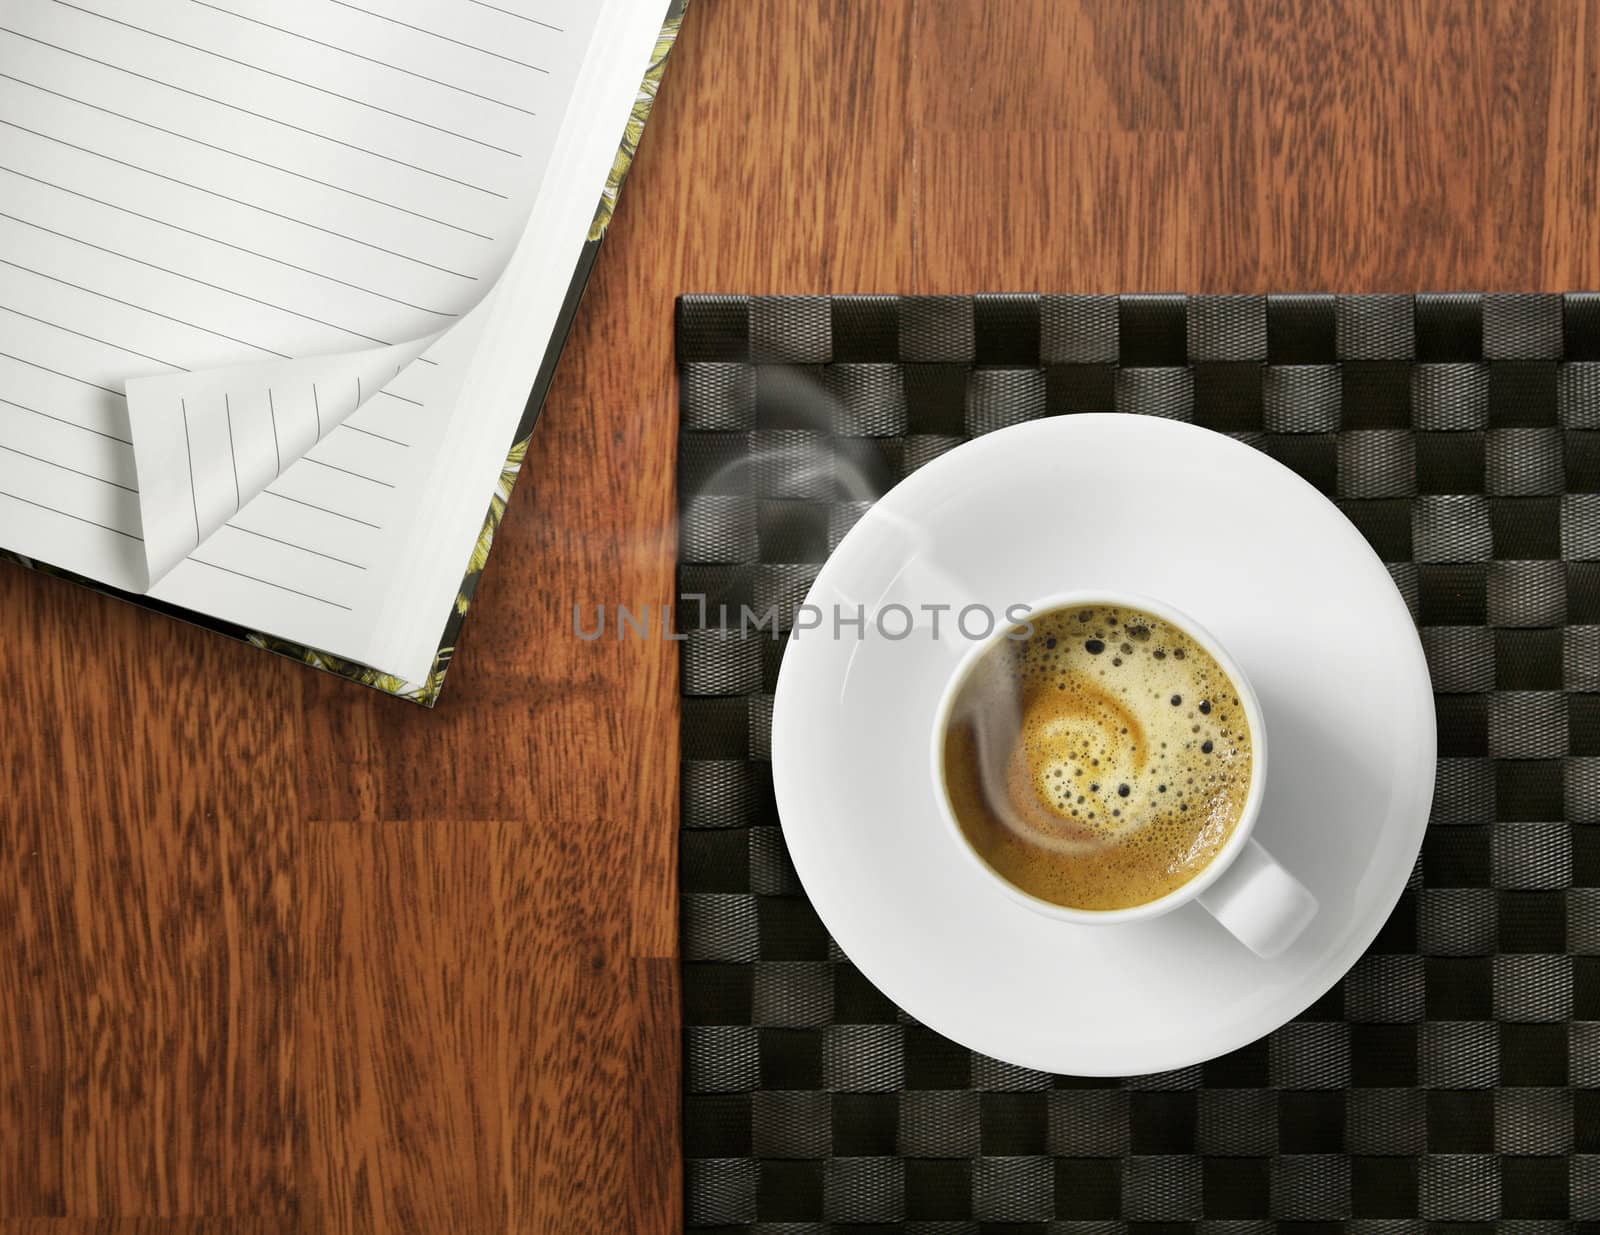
(1452, 1081)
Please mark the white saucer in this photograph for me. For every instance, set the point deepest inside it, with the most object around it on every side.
(1131, 504)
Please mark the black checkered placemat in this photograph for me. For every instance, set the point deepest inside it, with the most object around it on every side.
(1452, 1080)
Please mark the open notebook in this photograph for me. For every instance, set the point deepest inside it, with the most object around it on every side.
(276, 279)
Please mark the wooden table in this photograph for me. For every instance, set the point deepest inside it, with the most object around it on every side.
(278, 953)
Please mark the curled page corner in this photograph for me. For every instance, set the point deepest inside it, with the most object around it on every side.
(205, 443)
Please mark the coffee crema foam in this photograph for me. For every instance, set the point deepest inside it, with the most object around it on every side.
(1101, 762)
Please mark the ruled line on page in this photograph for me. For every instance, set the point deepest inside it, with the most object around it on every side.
(5, 308)
(188, 446)
(358, 429)
(89, 291)
(282, 587)
(237, 201)
(295, 34)
(67, 514)
(484, 4)
(248, 158)
(248, 531)
(63, 421)
(178, 274)
(434, 34)
(295, 81)
(386, 393)
(116, 484)
(71, 377)
(227, 408)
(277, 451)
(337, 514)
(228, 244)
(245, 111)
(334, 467)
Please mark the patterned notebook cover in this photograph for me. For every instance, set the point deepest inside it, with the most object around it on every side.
(428, 693)
(1451, 1082)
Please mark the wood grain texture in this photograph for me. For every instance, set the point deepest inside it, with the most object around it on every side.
(280, 954)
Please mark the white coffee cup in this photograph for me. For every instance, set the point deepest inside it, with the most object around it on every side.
(1243, 887)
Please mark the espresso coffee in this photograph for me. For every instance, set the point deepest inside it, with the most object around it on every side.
(1100, 760)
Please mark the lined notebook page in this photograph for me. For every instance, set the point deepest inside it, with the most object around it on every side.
(463, 397)
(190, 185)
(186, 184)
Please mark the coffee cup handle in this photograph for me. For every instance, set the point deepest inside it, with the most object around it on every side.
(1263, 905)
